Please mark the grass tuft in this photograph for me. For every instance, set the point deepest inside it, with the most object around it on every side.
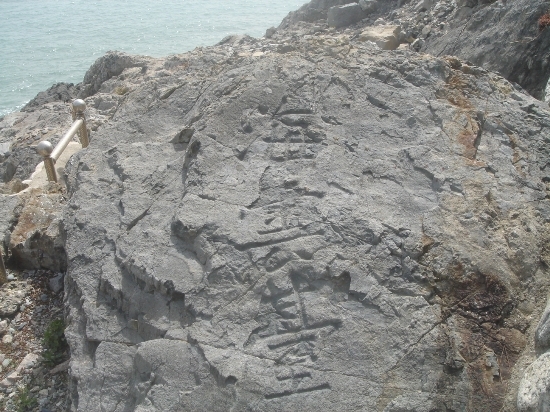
(25, 401)
(54, 343)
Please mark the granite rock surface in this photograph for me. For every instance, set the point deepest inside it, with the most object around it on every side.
(502, 36)
(304, 221)
(323, 226)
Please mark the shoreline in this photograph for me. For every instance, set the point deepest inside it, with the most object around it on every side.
(60, 53)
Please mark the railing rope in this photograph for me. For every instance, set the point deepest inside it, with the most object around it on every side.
(51, 154)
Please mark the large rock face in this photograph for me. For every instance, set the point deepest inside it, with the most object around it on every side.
(503, 36)
(330, 228)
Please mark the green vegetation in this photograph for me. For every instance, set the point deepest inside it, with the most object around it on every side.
(54, 342)
(121, 90)
(25, 401)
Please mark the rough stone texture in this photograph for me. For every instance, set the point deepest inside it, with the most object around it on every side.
(64, 92)
(499, 35)
(340, 16)
(385, 37)
(502, 36)
(106, 67)
(534, 391)
(8, 218)
(21, 131)
(327, 227)
(542, 335)
(368, 6)
(36, 241)
(56, 283)
(313, 11)
(12, 295)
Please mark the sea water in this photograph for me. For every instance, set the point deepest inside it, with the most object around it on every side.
(43, 42)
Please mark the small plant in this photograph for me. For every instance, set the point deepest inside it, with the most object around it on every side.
(121, 90)
(544, 21)
(54, 342)
(25, 401)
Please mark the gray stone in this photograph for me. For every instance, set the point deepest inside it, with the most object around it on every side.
(4, 148)
(27, 363)
(311, 12)
(368, 6)
(110, 65)
(341, 16)
(385, 37)
(3, 327)
(8, 218)
(500, 36)
(534, 390)
(59, 92)
(424, 5)
(542, 334)
(12, 295)
(36, 241)
(309, 239)
(56, 283)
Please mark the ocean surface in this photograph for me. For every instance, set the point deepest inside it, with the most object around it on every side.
(47, 41)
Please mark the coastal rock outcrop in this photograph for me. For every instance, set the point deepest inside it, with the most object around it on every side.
(323, 226)
(110, 65)
(59, 92)
(305, 221)
(502, 36)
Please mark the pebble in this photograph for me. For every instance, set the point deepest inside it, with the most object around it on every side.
(44, 297)
(11, 277)
(6, 363)
(43, 392)
(7, 339)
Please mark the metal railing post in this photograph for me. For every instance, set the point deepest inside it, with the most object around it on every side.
(45, 149)
(51, 154)
(79, 106)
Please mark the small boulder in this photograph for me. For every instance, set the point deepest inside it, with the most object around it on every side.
(56, 283)
(342, 16)
(10, 380)
(385, 37)
(534, 389)
(4, 326)
(424, 5)
(28, 362)
(368, 6)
